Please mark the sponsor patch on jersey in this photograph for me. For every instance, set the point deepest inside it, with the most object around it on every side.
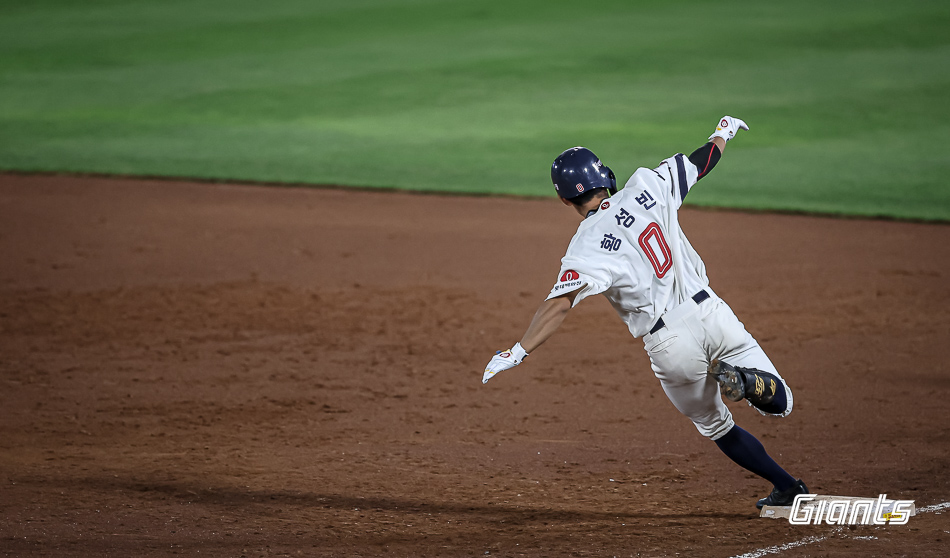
(568, 286)
(605, 205)
(570, 275)
(580, 187)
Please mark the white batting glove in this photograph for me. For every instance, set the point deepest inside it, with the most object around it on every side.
(503, 360)
(728, 127)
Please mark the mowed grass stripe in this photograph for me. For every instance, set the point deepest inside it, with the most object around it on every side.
(846, 100)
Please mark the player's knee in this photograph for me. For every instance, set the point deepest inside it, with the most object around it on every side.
(714, 428)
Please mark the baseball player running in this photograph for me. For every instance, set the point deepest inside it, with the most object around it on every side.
(630, 248)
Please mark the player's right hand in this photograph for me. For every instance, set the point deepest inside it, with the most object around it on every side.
(504, 360)
(728, 127)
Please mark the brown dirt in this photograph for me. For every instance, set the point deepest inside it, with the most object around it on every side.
(237, 370)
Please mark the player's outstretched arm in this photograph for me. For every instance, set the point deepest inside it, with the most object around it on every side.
(547, 319)
(706, 157)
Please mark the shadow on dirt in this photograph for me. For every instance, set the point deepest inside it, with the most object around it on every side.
(227, 497)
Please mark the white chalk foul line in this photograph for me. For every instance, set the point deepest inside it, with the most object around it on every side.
(814, 539)
(933, 508)
(782, 547)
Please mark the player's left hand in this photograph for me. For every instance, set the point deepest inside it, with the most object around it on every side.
(728, 127)
(504, 360)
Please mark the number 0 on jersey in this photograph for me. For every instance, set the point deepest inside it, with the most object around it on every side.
(652, 241)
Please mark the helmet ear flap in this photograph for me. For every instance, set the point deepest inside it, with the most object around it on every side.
(613, 181)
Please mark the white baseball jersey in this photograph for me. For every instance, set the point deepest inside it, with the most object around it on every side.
(633, 251)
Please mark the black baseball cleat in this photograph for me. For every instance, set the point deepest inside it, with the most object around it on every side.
(783, 497)
(732, 382)
(737, 383)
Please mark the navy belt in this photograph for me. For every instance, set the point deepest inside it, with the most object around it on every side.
(697, 298)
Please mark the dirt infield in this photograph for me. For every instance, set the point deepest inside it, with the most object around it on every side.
(248, 371)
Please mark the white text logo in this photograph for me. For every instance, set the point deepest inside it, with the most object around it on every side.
(809, 509)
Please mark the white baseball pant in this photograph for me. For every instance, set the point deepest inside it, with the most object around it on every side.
(680, 353)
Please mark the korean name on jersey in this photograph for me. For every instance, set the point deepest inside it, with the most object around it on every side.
(633, 251)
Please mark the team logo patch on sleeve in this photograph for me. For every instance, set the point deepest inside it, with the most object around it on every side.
(570, 275)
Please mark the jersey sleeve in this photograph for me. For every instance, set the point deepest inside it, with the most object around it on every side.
(679, 175)
(576, 274)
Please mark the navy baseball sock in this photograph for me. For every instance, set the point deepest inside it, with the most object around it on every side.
(748, 453)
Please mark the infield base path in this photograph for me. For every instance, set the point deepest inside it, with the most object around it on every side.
(243, 370)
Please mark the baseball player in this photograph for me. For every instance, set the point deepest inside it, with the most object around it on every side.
(630, 248)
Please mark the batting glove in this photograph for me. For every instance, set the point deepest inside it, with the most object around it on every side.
(727, 128)
(503, 360)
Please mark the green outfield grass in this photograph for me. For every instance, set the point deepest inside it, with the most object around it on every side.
(847, 100)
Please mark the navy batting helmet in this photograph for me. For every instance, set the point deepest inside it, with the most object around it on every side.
(578, 170)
